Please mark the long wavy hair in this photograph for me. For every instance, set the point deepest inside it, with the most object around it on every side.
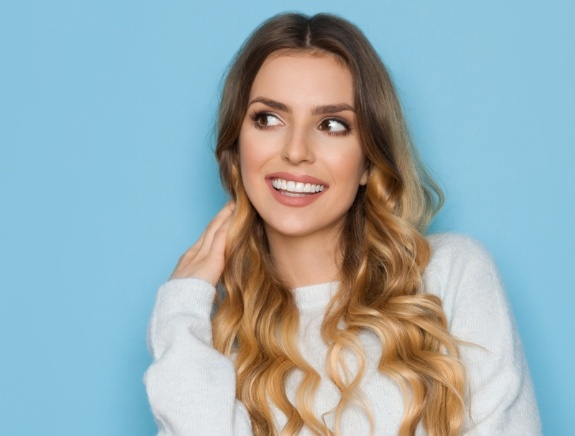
(383, 254)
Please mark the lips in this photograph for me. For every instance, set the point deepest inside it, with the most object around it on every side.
(295, 190)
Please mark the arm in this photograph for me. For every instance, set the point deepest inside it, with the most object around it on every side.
(191, 387)
(502, 401)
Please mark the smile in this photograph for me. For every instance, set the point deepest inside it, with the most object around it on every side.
(291, 188)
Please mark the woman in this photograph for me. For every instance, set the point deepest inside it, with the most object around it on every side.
(335, 314)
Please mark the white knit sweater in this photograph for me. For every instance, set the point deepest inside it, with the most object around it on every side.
(191, 387)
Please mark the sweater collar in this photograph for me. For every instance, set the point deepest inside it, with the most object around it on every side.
(318, 295)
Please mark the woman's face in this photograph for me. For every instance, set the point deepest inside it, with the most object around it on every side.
(300, 155)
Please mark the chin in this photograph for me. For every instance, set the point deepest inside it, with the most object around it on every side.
(289, 229)
(300, 228)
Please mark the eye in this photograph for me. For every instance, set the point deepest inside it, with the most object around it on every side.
(334, 126)
(265, 120)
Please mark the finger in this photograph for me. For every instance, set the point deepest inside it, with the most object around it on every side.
(201, 259)
(219, 241)
(208, 264)
(208, 235)
(209, 231)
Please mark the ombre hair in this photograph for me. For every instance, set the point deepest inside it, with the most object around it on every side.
(383, 255)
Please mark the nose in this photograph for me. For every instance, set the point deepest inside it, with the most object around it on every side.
(298, 147)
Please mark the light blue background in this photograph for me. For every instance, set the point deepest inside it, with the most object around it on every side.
(107, 175)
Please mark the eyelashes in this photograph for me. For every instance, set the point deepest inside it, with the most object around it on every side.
(335, 126)
(265, 120)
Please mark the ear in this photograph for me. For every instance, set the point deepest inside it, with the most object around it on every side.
(364, 176)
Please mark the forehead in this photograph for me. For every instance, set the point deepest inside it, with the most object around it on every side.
(289, 75)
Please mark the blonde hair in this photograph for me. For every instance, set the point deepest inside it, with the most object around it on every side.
(382, 246)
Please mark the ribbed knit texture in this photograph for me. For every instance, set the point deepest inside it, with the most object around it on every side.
(191, 387)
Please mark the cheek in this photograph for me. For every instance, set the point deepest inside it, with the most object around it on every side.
(245, 171)
(360, 166)
(350, 166)
(244, 150)
(255, 150)
(250, 161)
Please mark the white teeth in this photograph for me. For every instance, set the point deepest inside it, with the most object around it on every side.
(292, 186)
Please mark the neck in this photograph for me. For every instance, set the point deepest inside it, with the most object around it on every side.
(305, 260)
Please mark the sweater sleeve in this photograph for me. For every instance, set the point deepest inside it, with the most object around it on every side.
(502, 400)
(190, 386)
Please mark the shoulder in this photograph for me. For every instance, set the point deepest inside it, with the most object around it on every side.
(463, 274)
(448, 246)
(461, 268)
(452, 253)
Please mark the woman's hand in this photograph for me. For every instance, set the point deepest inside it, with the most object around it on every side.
(205, 259)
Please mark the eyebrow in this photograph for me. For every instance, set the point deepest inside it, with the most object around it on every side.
(332, 109)
(318, 110)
